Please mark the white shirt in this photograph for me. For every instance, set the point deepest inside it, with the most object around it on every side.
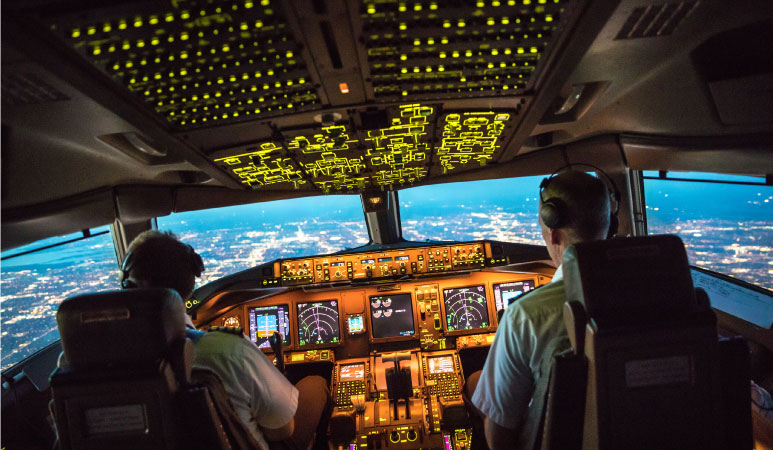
(508, 377)
(260, 394)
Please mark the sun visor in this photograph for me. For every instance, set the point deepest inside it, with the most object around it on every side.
(139, 203)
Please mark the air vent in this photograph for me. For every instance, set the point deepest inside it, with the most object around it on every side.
(655, 20)
(28, 89)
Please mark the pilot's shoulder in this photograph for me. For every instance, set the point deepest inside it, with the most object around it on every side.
(547, 297)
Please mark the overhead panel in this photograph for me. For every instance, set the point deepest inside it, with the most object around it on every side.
(416, 141)
(434, 49)
(198, 63)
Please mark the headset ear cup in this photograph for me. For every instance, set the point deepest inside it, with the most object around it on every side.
(551, 215)
(613, 225)
(198, 264)
(126, 283)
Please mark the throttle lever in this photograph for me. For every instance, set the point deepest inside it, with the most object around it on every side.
(275, 341)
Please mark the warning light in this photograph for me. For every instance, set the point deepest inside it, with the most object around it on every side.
(344, 88)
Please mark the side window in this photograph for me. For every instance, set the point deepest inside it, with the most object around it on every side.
(725, 221)
(33, 285)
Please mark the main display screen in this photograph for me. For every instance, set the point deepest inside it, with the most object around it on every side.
(466, 308)
(352, 372)
(504, 293)
(265, 320)
(440, 364)
(392, 315)
(318, 323)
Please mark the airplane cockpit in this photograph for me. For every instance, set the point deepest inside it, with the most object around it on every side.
(362, 179)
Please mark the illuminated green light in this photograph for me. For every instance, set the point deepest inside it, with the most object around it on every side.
(446, 24)
(76, 33)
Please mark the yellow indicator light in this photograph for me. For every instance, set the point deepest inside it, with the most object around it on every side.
(455, 54)
(404, 27)
(416, 69)
(463, 79)
(520, 50)
(265, 3)
(442, 54)
(343, 87)
(405, 93)
(289, 54)
(153, 20)
(490, 65)
(258, 24)
(533, 50)
(505, 20)
(404, 70)
(433, 6)
(444, 40)
(185, 15)
(548, 18)
(429, 69)
(461, 23)
(403, 57)
(97, 50)
(154, 41)
(430, 41)
(480, 4)
(91, 30)
(446, 24)
(129, 64)
(541, 2)
(402, 7)
(107, 28)
(169, 17)
(494, 52)
(116, 66)
(417, 7)
(137, 22)
(122, 25)
(371, 9)
(441, 69)
(226, 48)
(510, 2)
(417, 42)
(491, 22)
(508, 51)
(468, 53)
(76, 33)
(495, 3)
(527, 2)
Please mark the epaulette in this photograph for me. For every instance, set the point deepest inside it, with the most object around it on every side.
(231, 330)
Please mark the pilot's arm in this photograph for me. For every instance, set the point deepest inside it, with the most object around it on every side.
(506, 382)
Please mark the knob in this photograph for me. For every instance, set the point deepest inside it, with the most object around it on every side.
(394, 436)
(412, 435)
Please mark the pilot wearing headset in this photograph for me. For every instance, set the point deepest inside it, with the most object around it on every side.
(574, 207)
(269, 406)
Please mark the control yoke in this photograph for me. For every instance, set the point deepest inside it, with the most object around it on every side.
(398, 381)
(275, 341)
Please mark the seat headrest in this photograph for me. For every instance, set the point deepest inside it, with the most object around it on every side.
(120, 328)
(630, 281)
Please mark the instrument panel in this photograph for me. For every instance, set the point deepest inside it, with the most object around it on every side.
(381, 265)
(428, 314)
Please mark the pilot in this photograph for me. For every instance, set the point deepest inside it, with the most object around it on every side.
(269, 406)
(532, 328)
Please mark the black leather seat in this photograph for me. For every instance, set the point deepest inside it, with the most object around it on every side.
(657, 377)
(125, 378)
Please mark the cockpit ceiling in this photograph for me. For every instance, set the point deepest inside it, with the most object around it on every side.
(198, 64)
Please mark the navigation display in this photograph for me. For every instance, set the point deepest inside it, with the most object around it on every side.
(318, 323)
(466, 308)
(504, 293)
(392, 315)
(440, 364)
(265, 320)
(352, 372)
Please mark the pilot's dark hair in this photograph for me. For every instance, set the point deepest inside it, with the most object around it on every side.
(159, 259)
(584, 204)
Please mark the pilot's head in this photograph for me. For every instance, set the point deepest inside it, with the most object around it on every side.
(158, 259)
(574, 207)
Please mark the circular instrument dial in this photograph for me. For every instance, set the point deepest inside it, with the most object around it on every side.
(466, 309)
(318, 323)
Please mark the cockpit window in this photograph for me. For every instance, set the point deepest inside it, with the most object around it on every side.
(503, 210)
(33, 285)
(725, 221)
(235, 238)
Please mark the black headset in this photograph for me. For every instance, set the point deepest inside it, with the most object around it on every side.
(194, 259)
(554, 212)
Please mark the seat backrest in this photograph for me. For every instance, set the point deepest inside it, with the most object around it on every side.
(651, 345)
(123, 380)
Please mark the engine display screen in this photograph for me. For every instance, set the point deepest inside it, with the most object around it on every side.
(318, 323)
(265, 320)
(392, 315)
(352, 372)
(466, 308)
(504, 293)
(440, 364)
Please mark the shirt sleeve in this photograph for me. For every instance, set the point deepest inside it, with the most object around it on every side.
(506, 383)
(260, 394)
